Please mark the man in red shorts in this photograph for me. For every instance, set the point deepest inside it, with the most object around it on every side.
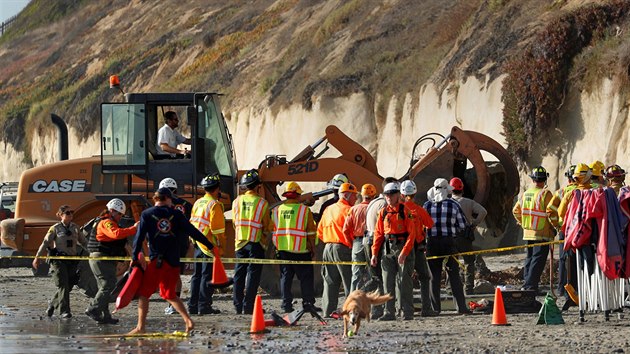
(163, 227)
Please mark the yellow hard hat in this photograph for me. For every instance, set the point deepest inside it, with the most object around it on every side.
(368, 190)
(598, 168)
(292, 187)
(348, 187)
(581, 169)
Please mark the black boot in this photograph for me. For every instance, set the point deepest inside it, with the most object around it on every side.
(567, 304)
(50, 310)
(94, 314)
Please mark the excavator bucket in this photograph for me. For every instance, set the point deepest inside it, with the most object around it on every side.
(461, 154)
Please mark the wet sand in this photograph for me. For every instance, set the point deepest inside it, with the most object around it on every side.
(25, 328)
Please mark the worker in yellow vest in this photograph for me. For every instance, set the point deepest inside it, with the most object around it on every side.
(582, 175)
(294, 239)
(552, 207)
(531, 214)
(207, 217)
(556, 222)
(252, 224)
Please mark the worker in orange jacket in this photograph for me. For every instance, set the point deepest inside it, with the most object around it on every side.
(354, 229)
(109, 240)
(422, 221)
(396, 232)
(338, 248)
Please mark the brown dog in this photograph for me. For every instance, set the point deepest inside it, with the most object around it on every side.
(358, 306)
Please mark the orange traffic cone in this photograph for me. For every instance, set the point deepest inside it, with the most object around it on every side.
(258, 319)
(219, 278)
(498, 313)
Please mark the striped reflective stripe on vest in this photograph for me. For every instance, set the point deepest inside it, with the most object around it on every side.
(534, 213)
(200, 219)
(290, 233)
(248, 219)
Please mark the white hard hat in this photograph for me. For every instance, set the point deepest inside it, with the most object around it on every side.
(391, 188)
(117, 204)
(168, 183)
(441, 183)
(408, 187)
(338, 180)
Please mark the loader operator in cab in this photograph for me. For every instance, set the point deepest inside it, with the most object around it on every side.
(169, 138)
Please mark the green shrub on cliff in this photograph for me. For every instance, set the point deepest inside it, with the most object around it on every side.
(537, 79)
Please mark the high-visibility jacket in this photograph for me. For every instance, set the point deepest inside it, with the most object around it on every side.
(531, 213)
(354, 226)
(251, 219)
(207, 217)
(294, 227)
(395, 221)
(566, 200)
(422, 219)
(109, 238)
(552, 207)
(330, 228)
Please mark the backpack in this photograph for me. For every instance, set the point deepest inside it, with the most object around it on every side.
(89, 229)
(401, 212)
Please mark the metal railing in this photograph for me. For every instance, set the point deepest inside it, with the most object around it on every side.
(4, 26)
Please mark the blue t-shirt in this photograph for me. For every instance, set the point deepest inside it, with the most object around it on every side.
(164, 227)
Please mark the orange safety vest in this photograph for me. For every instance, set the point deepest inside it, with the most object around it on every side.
(248, 216)
(290, 224)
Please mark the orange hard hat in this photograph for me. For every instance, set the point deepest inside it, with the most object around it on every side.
(292, 187)
(368, 190)
(348, 187)
(457, 184)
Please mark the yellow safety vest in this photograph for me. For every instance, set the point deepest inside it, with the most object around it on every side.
(290, 228)
(200, 218)
(552, 208)
(248, 216)
(534, 214)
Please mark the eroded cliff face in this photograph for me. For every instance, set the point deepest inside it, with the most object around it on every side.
(593, 126)
(45, 150)
(472, 105)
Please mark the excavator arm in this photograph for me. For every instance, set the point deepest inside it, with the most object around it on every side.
(308, 166)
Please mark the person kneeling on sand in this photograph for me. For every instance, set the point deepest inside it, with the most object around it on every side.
(162, 226)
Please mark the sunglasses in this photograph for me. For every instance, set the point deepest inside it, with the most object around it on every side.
(69, 212)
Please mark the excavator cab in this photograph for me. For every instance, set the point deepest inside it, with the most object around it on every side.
(129, 136)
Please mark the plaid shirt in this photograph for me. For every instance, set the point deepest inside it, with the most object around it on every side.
(448, 217)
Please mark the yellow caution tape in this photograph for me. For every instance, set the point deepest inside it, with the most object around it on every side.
(175, 334)
(189, 260)
(496, 250)
(281, 261)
